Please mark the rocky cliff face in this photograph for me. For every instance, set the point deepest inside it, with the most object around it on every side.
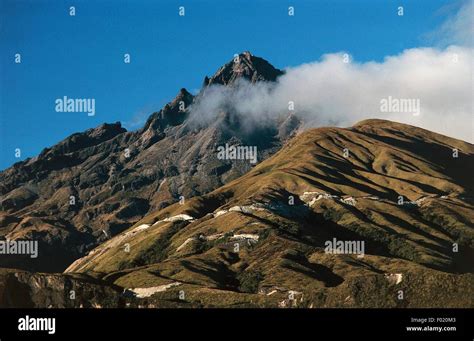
(95, 184)
(244, 66)
(20, 289)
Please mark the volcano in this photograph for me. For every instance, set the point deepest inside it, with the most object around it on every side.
(379, 214)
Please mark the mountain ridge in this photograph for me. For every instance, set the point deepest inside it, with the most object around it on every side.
(283, 211)
(136, 218)
(113, 176)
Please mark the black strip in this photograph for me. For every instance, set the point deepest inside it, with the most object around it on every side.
(222, 324)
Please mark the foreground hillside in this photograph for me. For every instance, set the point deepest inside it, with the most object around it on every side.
(259, 240)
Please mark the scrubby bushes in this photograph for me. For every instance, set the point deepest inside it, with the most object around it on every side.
(249, 281)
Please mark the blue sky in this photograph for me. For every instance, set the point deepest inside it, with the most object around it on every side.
(81, 56)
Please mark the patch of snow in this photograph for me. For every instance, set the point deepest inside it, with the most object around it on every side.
(349, 201)
(219, 213)
(213, 236)
(307, 194)
(419, 201)
(244, 209)
(161, 183)
(147, 292)
(247, 236)
(256, 207)
(394, 278)
(372, 197)
(141, 227)
(136, 230)
(313, 201)
(310, 198)
(186, 242)
(179, 217)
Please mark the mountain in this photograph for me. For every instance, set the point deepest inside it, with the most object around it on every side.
(379, 214)
(261, 240)
(244, 66)
(95, 184)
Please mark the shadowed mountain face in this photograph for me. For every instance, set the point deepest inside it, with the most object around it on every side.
(95, 184)
(261, 240)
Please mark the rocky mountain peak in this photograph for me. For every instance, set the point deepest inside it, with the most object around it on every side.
(182, 96)
(247, 66)
(106, 130)
(173, 113)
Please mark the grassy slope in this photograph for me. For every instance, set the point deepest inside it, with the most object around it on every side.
(386, 160)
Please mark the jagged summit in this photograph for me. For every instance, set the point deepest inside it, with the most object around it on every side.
(247, 66)
(117, 176)
(173, 113)
(183, 95)
(244, 65)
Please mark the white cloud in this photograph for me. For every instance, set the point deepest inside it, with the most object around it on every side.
(331, 92)
(459, 28)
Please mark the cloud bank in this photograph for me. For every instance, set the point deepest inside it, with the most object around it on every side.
(334, 92)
